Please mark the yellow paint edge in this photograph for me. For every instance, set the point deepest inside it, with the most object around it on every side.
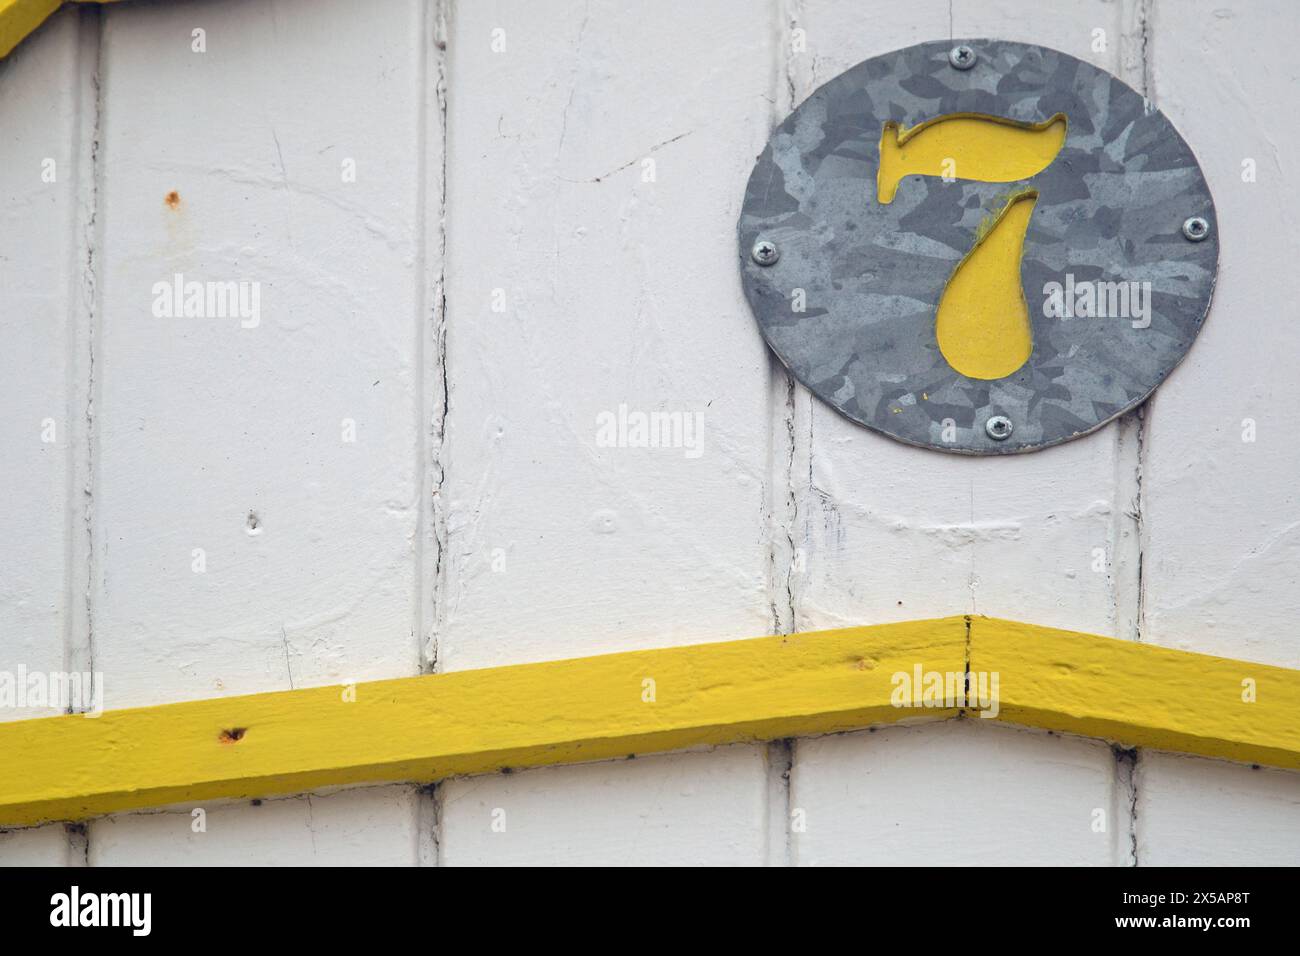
(421, 729)
(468, 722)
(893, 137)
(906, 133)
(20, 18)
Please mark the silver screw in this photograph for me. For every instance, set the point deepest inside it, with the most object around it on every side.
(962, 57)
(1196, 228)
(765, 252)
(999, 427)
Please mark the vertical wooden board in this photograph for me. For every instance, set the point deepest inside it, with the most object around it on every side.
(224, 440)
(37, 846)
(599, 157)
(693, 809)
(892, 532)
(228, 435)
(1223, 515)
(1221, 512)
(38, 276)
(1193, 812)
(954, 794)
(362, 827)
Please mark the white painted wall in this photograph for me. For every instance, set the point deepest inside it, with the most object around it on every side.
(502, 270)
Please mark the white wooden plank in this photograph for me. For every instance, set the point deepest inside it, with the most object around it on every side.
(36, 846)
(594, 184)
(1223, 517)
(38, 284)
(616, 290)
(694, 809)
(957, 793)
(225, 437)
(1221, 512)
(243, 542)
(362, 827)
(1194, 812)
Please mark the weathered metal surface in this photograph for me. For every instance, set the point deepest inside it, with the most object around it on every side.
(1110, 209)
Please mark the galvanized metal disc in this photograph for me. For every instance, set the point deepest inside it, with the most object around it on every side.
(1111, 208)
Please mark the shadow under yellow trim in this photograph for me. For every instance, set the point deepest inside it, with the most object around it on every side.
(468, 722)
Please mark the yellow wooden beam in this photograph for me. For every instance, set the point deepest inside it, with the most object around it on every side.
(1140, 694)
(427, 728)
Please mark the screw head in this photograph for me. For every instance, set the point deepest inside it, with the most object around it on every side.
(961, 57)
(765, 252)
(999, 427)
(1196, 228)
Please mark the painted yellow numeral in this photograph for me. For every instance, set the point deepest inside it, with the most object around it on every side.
(967, 146)
(982, 323)
(983, 320)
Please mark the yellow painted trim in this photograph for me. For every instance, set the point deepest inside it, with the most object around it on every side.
(466, 722)
(1141, 694)
(427, 728)
(18, 18)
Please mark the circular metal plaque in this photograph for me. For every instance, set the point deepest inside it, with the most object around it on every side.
(848, 301)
